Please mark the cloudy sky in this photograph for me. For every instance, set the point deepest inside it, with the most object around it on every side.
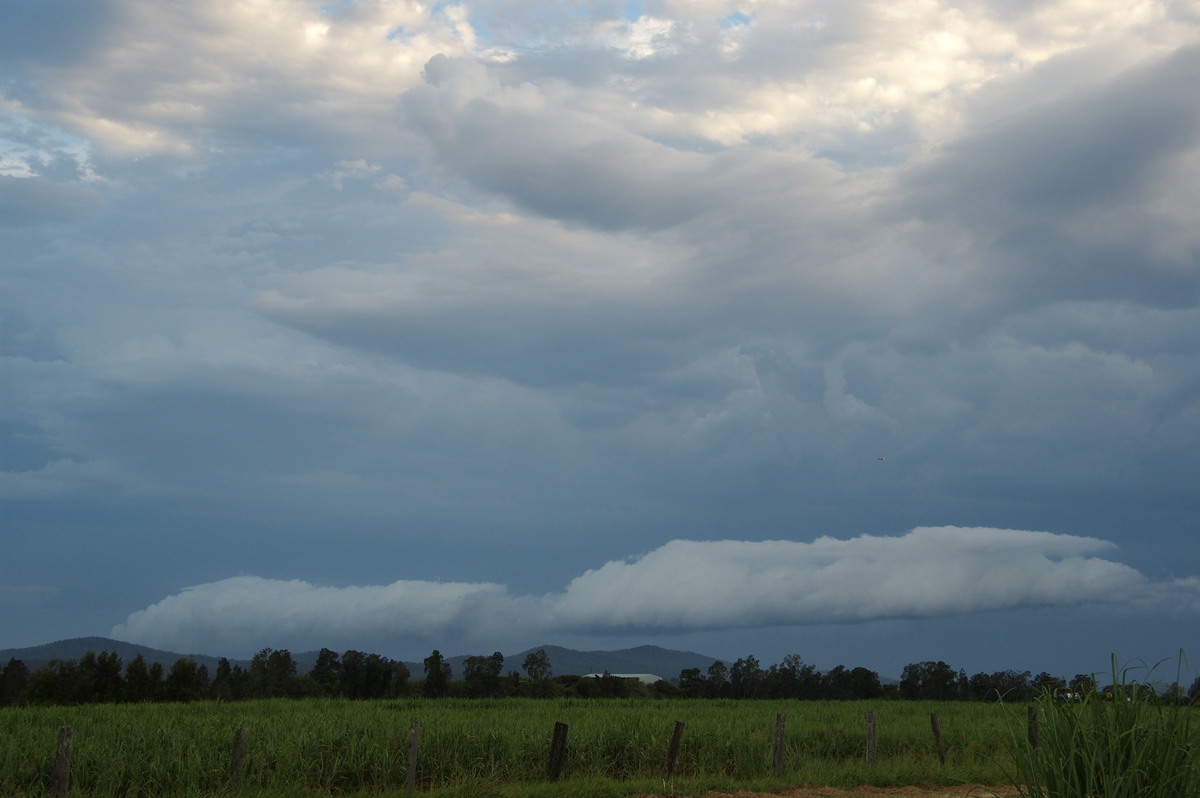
(865, 331)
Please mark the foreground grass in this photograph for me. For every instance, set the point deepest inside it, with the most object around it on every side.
(1132, 745)
(485, 748)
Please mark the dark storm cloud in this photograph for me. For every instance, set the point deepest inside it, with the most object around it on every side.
(1065, 199)
(390, 294)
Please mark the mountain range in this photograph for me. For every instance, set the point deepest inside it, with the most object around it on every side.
(563, 661)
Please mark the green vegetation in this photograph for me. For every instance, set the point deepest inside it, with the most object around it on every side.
(489, 746)
(343, 728)
(1124, 741)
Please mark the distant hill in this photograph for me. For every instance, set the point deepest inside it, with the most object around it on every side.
(563, 661)
(35, 657)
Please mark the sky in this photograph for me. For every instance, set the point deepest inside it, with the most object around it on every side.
(863, 331)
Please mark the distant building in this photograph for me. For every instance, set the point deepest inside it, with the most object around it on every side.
(644, 678)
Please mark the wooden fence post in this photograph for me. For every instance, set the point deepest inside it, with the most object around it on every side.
(872, 737)
(414, 743)
(1033, 726)
(237, 757)
(780, 737)
(558, 751)
(673, 750)
(937, 737)
(60, 777)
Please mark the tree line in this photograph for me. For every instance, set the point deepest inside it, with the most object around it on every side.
(103, 678)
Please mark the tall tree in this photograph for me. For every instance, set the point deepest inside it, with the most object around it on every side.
(398, 682)
(691, 683)
(1045, 683)
(184, 682)
(1012, 686)
(100, 677)
(718, 679)
(354, 674)
(537, 666)
(928, 681)
(437, 675)
(792, 678)
(746, 678)
(327, 672)
(222, 687)
(154, 682)
(864, 683)
(482, 675)
(14, 680)
(272, 673)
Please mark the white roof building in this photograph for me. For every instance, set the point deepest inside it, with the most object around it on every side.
(644, 678)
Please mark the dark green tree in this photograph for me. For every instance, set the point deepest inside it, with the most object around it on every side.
(377, 676)
(864, 684)
(437, 675)
(928, 681)
(691, 683)
(281, 673)
(398, 681)
(100, 677)
(137, 680)
(1045, 683)
(1012, 686)
(354, 674)
(537, 667)
(327, 672)
(718, 680)
(57, 682)
(184, 681)
(1082, 684)
(14, 680)
(155, 682)
(272, 674)
(482, 675)
(792, 678)
(222, 688)
(836, 684)
(746, 678)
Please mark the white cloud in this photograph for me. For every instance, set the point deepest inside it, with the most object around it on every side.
(929, 571)
(247, 612)
(683, 585)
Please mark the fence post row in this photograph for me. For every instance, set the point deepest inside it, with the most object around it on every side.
(937, 737)
(60, 777)
(237, 757)
(872, 737)
(558, 751)
(780, 737)
(414, 744)
(672, 750)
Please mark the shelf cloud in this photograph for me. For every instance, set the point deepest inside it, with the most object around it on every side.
(683, 585)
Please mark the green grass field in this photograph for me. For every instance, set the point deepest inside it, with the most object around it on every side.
(480, 747)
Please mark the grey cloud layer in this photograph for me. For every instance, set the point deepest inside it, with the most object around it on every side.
(682, 585)
(321, 291)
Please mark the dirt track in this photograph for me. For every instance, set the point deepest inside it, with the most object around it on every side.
(961, 791)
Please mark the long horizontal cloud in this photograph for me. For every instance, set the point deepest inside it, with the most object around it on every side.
(683, 585)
